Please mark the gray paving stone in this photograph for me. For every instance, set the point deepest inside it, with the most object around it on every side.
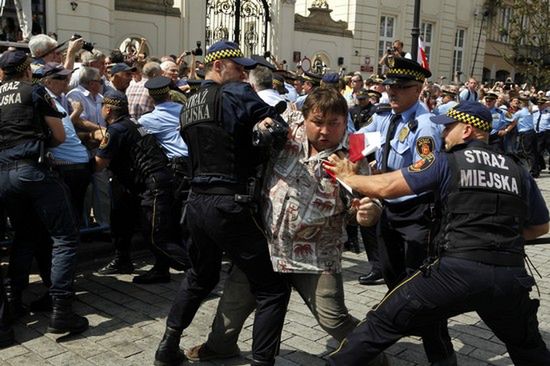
(29, 359)
(127, 322)
(68, 359)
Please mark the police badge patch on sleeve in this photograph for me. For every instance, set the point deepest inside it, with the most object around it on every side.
(425, 146)
(422, 164)
(50, 101)
(105, 141)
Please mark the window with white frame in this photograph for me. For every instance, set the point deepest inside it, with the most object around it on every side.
(426, 34)
(505, 15)
(385, 36)
(458, 52)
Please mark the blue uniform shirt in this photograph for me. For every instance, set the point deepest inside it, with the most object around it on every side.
(71, 150)
(414, 130)
(544, 123)
(437, 177)
(499, 120)
(525, 120)
(444, 108)
(164, 123)
(300, 101)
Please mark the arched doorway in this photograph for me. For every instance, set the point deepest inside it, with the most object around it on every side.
(246, 22)
(501, 75)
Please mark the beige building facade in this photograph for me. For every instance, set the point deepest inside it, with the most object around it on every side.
(332, 34)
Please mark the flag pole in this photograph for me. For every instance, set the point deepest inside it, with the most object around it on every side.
(415, 31)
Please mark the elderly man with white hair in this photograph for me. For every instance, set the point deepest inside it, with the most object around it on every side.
(45, 49)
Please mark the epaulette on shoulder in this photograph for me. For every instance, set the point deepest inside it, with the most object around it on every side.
(382, 108)
(413, 125)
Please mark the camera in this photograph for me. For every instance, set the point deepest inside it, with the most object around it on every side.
(274, 135)
(389, 50)
(197, 51)
(88, 46)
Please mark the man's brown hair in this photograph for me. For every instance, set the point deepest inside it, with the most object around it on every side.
(325, 100)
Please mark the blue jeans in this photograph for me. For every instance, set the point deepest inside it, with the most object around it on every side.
(28, 191)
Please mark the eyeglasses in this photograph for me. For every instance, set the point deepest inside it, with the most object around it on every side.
(96, 80)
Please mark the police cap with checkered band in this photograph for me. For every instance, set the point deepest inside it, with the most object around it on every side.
(225, 50)
(472, 113)
(402, 70)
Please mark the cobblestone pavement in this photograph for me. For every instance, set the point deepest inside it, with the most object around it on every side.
(127, 322)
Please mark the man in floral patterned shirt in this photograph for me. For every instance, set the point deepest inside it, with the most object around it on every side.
(305, 218)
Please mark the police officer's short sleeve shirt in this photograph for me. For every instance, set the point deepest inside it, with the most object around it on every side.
(44, 103)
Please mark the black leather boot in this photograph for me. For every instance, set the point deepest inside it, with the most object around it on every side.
(64, 320)
(121, 264)
(169, 352)
(16, 308)
(42, 304)
(449, 361)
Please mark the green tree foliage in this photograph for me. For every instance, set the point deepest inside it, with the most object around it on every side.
(529, 37)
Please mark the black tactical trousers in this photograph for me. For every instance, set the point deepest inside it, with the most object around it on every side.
(404, 237)
(452, 286)
(217, 223)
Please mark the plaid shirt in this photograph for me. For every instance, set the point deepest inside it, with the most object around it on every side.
(139, 101)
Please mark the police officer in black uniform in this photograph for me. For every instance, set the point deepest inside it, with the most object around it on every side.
(140, 165)
(29, 122)
(491, 205)
(362, 112)
(219, 125)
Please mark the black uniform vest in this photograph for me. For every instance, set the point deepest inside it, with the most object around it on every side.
(19, 121)
(143, 157)
(485, 207)
(361, 116)
(215, 150)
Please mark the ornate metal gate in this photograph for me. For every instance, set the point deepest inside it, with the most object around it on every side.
(246, 22)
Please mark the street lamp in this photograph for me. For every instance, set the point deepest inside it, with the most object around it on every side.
(415, 31)
(483, 16)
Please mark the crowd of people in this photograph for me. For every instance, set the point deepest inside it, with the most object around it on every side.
(241, 157)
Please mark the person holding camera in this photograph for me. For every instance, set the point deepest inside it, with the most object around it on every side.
(396, 50)
(228, 130)
(45, 49)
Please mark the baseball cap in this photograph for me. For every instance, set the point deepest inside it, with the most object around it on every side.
(121, 67)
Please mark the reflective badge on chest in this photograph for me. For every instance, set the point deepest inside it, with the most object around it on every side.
(105, 141)
(404, 133)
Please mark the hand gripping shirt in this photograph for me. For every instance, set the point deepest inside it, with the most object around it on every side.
(415, 138)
